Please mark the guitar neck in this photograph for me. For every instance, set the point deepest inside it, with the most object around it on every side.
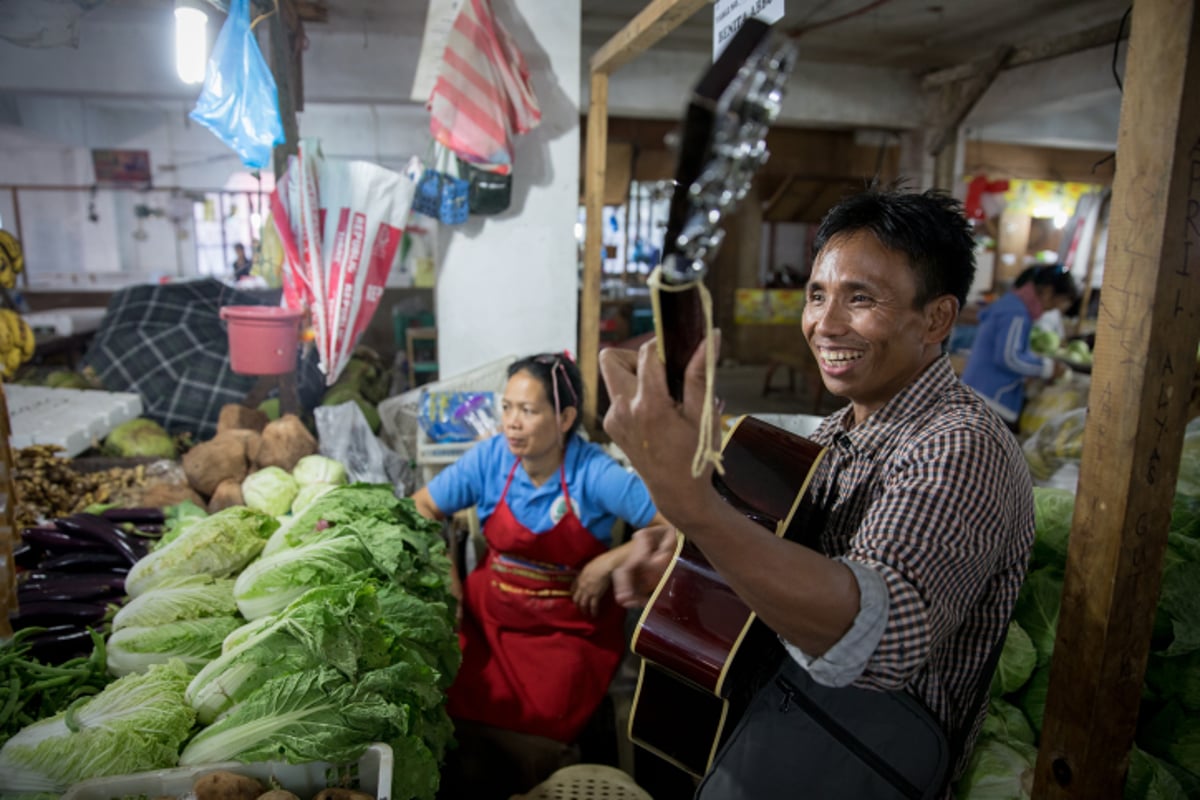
(711, 174)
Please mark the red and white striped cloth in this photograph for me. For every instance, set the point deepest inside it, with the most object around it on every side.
(482, 96)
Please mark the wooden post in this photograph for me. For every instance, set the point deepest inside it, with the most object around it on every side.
(285, 68)
(593, 248)
(1141, 381)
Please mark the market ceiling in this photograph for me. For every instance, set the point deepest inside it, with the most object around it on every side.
(918, 35)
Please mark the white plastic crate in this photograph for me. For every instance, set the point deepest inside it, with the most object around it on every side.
(73, 419)
(373, 774)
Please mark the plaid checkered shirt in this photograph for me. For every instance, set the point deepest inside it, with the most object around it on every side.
(930, 502)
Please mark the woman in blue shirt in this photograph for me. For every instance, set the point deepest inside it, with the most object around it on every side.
(541, 633)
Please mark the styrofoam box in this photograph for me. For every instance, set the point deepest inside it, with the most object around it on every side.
(70, 418)
(374, 776)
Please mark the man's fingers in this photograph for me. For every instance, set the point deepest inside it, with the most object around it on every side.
(618, 367)
(694, 375)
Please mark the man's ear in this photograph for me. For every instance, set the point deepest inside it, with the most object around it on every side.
(941, 314)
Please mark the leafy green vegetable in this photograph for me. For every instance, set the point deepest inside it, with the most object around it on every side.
(1175, 678)
(1188, 482)
(1017, 660)
(1032, 699)
(177, 599)
(178, 518)
(1043, 341)
(996, 771)
(219, 545)
(415, 559)
(270, 490)
(1179, 603)
(308, 493)
(339, 626)
(1006, 722)
(136, 723)
(353, 503)
(195, 642)
(1150, 779)
(1173, 734)
(319, 469)
(1053, 510)
(317, 714)
(1037, 609)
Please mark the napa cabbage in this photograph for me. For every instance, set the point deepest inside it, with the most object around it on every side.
(219, 545)
(177, 599)
(195, 642)
(134, 724)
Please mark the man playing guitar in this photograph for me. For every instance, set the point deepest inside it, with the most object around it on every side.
(923, 500)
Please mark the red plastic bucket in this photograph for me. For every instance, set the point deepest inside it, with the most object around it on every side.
(262, 339)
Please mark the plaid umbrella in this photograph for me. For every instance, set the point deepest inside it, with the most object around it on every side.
(167, 343)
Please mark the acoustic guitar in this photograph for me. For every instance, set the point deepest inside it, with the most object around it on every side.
(703, 651)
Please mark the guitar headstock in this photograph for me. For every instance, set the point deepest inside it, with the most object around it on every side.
(723, 144)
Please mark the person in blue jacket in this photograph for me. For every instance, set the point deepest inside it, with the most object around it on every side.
(1001, 359)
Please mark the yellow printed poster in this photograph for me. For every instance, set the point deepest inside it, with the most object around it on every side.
(768, 306)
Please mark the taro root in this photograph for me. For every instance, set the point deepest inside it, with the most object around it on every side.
(209, 463)
(235, 416)
(284, 442)
(222, 785)
(228, 493)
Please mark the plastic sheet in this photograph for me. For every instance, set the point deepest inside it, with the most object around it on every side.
(345, 436)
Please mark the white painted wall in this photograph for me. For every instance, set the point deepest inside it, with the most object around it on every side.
(509, 284)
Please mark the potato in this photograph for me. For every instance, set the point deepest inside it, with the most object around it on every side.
(209, 463)
(223, 785)
(228, 493)
(284, 442)
(342, 794)
(235, 416)
(278, 794)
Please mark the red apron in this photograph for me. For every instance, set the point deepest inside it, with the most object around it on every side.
(532, 661)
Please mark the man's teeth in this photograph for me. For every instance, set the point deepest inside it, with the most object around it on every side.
(838, 356)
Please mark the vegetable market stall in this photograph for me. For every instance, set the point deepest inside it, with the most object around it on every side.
(1142, 376)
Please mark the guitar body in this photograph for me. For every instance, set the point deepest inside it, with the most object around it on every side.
(703, 648)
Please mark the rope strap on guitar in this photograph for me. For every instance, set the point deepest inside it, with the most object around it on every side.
(705, 452)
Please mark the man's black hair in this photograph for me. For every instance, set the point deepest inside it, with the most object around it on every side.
(551, 369)
(1056, 276)
(928, 227)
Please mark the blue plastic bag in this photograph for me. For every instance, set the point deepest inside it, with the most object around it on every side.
(239, 102)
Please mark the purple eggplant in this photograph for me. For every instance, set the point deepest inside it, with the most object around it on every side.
(59, 541)
(26, 556)
(66, 586)
(102, 530)
(50, 613)
(61, 643)
(138, 516)
(84, 561)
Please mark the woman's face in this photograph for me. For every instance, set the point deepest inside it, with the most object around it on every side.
(1050, 300)
(528, 415)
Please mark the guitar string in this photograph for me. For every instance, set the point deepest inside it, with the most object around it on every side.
(705, 452)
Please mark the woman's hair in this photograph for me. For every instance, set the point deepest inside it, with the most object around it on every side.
(561, 379)
(929, 228)
(1056, 276)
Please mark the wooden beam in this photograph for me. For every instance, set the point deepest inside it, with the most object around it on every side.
(652, 23)
(957, 99)
(593, 250)
(1141, 382)
(286, 32)
(1044, 50)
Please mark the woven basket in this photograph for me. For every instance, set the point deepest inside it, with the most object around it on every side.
(586, 782)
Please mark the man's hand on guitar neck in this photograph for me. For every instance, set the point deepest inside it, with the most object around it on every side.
(657, 434)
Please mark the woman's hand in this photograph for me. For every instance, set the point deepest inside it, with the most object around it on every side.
(650, 554)
(592, 584)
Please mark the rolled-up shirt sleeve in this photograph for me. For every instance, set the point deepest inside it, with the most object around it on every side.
(843, 664)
